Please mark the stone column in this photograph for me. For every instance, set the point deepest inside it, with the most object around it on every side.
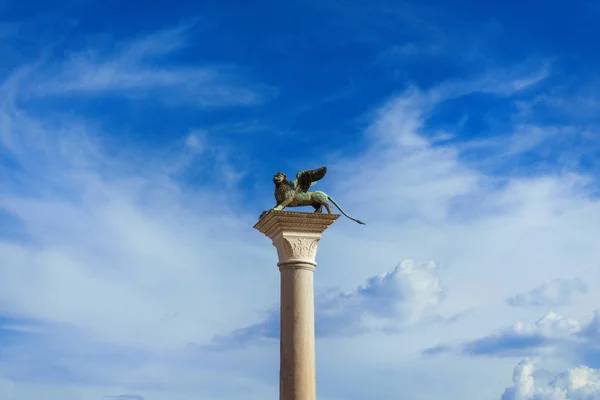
(296, 236)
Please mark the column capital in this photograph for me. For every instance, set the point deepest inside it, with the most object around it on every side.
(295, 235)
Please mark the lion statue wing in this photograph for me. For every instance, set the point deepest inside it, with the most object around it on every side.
(307, 178)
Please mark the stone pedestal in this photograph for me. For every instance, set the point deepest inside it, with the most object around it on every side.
(296, 236)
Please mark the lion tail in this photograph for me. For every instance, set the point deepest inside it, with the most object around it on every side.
(342, 211)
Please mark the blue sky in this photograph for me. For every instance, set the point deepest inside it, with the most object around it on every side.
(137, 147)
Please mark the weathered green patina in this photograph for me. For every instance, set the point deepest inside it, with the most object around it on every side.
(296, 194)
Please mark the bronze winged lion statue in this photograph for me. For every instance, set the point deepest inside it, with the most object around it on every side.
(296, 194)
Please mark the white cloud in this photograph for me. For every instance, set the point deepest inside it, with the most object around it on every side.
(406, 296)
(550, 325)
(580, 383)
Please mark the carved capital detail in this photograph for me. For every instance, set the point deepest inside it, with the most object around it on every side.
(300, 248)
(294, 246)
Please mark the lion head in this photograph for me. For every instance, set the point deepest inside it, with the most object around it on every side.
(279, 177)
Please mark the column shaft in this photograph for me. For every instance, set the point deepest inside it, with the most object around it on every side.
(297, 377)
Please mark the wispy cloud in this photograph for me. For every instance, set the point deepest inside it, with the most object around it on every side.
(552, 335)
(524, 338)
(140, 68)
(502, 82)
(81, 208)
(553, 293)
(116, 269)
